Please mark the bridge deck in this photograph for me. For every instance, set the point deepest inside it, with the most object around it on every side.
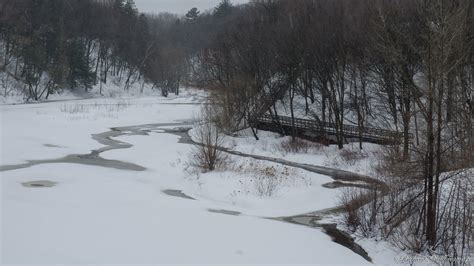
(320, 129)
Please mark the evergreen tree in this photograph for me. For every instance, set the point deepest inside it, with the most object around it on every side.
(193, 14)
(80, 72)
(130, 8)
(224, 8)
(118, 4)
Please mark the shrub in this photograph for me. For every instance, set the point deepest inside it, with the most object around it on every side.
(206, 153)
(298, 146)
(361, 208)
(350, 157)
(267, 181)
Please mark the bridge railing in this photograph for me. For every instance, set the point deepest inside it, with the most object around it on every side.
(330, 128)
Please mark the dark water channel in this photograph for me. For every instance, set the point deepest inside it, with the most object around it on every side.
(313, 220)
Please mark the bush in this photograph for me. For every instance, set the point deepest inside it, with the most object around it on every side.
(206, 153)
(267, 181)
(351, 157)
(360, 216)
(398, 214)
(298, 146)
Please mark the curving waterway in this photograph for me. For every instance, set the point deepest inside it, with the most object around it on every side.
(341, 178)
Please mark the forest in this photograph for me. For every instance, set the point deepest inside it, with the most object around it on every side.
(402, 65)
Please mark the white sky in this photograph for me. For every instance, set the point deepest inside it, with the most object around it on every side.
(178, 6)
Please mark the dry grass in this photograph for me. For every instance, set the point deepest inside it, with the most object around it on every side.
(266, 179)
(80, 108)
(351, 157)
(299, 146)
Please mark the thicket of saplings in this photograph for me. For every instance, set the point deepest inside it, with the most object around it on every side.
(404, 65)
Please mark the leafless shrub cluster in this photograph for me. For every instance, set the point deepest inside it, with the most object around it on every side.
(234, 105)
(74, 109)
(224, 117)
(405, 224)
(206, 153)
(357, 217)
(298, 145)
(78, 108)
(266, 179)
(351, 157)
(267, 185)
(400, 214)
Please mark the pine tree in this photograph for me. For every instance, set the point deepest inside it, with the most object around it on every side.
(130, 8)
(193, 14)
(224, 8)
(80, 72)
(118, 4)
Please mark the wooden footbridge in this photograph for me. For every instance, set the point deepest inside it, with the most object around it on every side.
(326, 132)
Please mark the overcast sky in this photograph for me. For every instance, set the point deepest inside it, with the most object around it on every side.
(178, 6)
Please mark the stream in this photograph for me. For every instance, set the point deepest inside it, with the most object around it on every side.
(341, 178)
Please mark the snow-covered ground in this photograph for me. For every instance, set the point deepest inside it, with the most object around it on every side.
(351, 158)
(13, 91)
(105, 215)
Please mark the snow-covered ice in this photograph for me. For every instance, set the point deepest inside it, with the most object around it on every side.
(103, 215)
(98, 215)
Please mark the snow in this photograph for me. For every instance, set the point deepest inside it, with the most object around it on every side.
(13, 91)
(299, 191)
(103, 215)
(302, 193)
(68, 125)
(382, 252)
(98, 215)
(270, 144)
(350, 116)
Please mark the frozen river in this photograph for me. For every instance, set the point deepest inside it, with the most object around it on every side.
(102, 181)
